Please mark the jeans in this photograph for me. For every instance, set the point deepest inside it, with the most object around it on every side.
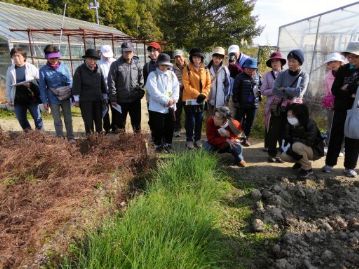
(162, 127)
(194, 118)
(246, 117)
(235, 149)
(20, 112)
(65, 106)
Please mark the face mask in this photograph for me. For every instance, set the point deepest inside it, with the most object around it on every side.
(293, 121)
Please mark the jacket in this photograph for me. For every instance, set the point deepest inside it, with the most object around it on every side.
(214, 138)
(267, 90)
(307, 134)
(220, 86)
(124, 81)
(53, 78)
(148, 68)
(285, 87)
(343, 98)
(105, 67)
(88, 85)
(31, 73)
(328, 98)
(244, 92)
(195, 82)
(161, 87)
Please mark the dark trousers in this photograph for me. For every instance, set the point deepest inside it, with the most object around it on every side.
(107, 121)
(276, 132)
(351, 153)
(336, 138)
(134, 109)
(194, 118)
(246, 117)
(179, 106)
(162, 127)
(91, 113)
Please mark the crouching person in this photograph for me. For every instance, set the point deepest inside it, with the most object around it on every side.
(302, 142)
(223, 135)
(163, 93)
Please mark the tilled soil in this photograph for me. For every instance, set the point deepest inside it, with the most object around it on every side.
(48, 185)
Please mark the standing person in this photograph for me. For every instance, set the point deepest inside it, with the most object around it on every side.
(220, 82)
(333, 62)
(104, 64)
(241, 57)
(344, 88)
(55, 91)
(197, 83)
(25, 96)
(89, 91)
(223, 135)
(302, 140)
(163, 92)
(180, 64)
(276, 62)
(246, 98)
(125, 83)
(154, 50)
(289, 87)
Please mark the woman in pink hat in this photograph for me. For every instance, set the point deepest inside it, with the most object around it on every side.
(276, 62)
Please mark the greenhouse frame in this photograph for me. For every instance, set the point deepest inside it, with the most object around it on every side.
(318, 36)
(33, 29)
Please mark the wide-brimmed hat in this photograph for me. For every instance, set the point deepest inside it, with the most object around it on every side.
(218, 51)
(334, 57)
(352, 48)
(91, 53)
(250, 63)
(164, 59)
(276, 56)
(106, 51)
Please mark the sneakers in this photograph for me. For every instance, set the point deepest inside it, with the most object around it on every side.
(327, 169)
(350, 172)
(275, 159)
(177, 134)
(198, 144)
(296, 166)
(303, 174)
(242, 164)
(189, 145)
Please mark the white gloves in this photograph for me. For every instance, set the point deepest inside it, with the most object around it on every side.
(285, 147)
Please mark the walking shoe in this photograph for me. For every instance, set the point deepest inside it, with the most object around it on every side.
(245, 142)
(296, 166)
(303, 174)
(327, 169)
(242, 164)
(271, 159)
(189, 145)
(177, 134)
(350, 172)
(278, 160)
(198, 144)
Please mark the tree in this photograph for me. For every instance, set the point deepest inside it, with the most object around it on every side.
(37, 4)
(207, 23)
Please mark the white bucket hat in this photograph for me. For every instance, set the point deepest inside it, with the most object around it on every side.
(335, 56)
(106, 51)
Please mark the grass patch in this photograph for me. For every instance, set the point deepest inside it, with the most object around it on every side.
(175, 224)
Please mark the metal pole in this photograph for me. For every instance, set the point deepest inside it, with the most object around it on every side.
(315, 47)
(69, 44)
(30, 45)
(97, 5)
(62, 25)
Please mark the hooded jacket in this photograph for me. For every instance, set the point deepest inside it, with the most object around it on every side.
(195, 82)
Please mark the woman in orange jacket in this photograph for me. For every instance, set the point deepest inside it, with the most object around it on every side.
(197, 84)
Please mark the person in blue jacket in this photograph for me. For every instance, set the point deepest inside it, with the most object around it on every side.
(55, 91)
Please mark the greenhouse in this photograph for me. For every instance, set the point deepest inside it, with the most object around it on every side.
(332, 31)
(41, 28)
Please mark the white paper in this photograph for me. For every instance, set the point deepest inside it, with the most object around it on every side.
(117, 107)
(191, 102)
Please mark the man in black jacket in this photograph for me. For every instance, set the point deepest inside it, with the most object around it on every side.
(303, 141)
(125, 84)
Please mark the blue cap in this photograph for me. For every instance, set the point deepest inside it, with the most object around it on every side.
(250, 63)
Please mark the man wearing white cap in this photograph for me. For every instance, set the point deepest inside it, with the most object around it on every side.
(241, 57)
(104, 64)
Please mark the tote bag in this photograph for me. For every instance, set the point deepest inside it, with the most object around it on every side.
(351, 127)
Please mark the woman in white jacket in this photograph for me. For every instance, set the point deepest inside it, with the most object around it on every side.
(220, 81)
(163, 92)
(22, 90)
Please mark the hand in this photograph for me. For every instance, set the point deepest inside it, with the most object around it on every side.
(200, 98)
(344, 87)
(285, 146)
(113, 103)
(76, 104)
(223, 132)
(27, 85)
(171, 102)
(10, 103)
(46, 107)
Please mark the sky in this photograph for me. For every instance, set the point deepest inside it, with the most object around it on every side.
(274, 13)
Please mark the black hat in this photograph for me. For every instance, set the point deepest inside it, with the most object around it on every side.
(164, 59)
(91, 53)
(196, 52)
(297, 54)
(127, 46)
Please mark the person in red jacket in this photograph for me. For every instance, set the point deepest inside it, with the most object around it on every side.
(223, 135)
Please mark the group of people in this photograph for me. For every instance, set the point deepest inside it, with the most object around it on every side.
(228, 94)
